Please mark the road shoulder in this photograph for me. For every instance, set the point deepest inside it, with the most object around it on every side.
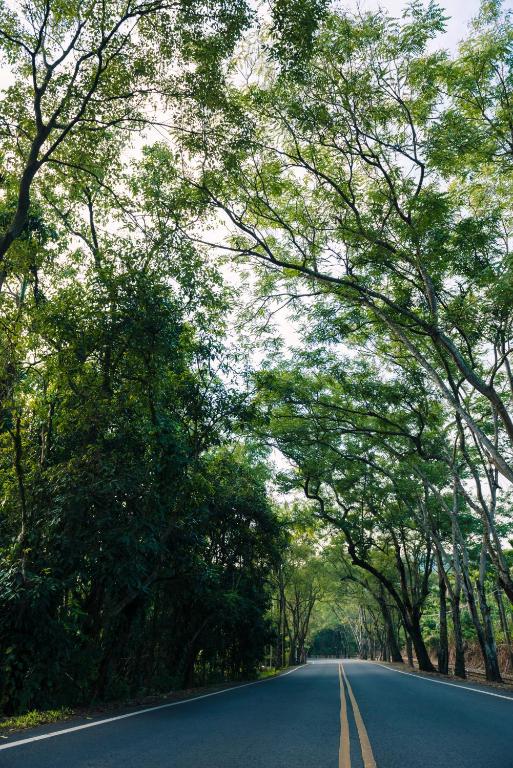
(83, 716)
(502, 689)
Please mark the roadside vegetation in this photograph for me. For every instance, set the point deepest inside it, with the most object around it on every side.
(256, 310)
(33, 718)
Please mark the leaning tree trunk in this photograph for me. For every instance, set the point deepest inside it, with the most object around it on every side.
(484, 633)
(412, 625)
(488, 651)
(455, 593)
(489, 648)
(459, 645)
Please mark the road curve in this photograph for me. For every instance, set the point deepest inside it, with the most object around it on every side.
(327, 715)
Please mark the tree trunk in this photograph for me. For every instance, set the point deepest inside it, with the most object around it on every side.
(455, 594)
(443, 645)
(423, 660)
(409, 649)
(391, 640)
(188, 670)
(282, 624)
(488, 652)
(414, 631)
(490, 648)
(504, 625)
(459, 649)
(483, 629)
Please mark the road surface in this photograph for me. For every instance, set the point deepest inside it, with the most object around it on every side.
(324, 715)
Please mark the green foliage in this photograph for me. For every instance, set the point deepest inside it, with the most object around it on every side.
(367, 177)
(294, 27)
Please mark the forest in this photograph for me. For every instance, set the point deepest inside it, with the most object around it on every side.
(256, 318)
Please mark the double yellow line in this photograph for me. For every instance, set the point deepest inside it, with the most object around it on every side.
(344, 754)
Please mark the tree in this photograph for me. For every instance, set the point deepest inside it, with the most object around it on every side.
(340, 185)
(83, 80)
(367, 451)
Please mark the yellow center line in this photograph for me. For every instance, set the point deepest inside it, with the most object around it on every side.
(367, 755)
(344, 752)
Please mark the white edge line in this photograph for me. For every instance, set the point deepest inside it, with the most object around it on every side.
(50, 735)
(443, 682)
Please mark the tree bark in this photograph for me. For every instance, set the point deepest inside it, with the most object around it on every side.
(443, 646)
(459, 646)
(409, 649)
(490, 647)
(391, 640)
(504, 625)
(423, 660)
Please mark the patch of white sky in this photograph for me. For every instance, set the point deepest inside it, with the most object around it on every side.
(459, 13)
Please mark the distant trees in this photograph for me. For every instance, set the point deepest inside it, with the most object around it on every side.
(336, 641)
(300, 585)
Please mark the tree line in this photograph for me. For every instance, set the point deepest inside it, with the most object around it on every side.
(354, 178)
(369, 179)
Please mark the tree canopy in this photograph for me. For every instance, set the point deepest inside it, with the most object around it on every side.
(186, 496)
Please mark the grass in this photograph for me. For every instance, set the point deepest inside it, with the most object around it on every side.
(269, 672)
(33, 718)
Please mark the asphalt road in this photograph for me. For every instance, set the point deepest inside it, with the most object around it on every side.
(383, 718)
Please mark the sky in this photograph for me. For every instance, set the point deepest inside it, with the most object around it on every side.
(460, 12)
